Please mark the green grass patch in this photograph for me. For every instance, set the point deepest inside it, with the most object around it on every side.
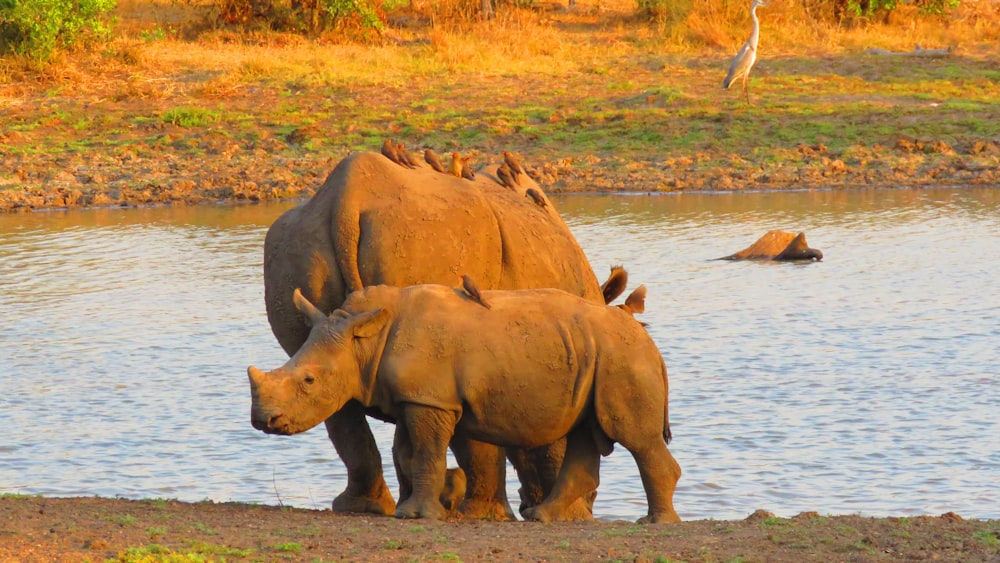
(990, 538)
(155, 553)
(218, 550)
(289, 547)
(190, 116)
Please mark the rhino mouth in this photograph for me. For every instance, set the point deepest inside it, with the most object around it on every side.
(274, 424)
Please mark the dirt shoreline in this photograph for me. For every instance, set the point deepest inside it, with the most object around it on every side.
(36, 529)
(95, 183)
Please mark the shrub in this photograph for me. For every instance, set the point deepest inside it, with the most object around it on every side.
(37, 28)
(305, 15)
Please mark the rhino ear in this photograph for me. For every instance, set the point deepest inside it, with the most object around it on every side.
(309, 311)
(368, 323)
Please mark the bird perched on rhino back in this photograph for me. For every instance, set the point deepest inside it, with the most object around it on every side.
(537, 197)
(515, 167)
(747, 56)
(456, 164)
(467, 172)
(506, 177)
(405, 157)
(430, 157)
(389, 151)
(473, 292)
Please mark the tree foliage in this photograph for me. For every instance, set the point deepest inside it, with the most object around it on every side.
(38, 28)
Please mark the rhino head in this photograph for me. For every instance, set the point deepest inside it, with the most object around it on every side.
(322, 376)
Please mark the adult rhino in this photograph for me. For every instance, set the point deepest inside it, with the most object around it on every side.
(537, 366)
(375, 222)
(778, 245)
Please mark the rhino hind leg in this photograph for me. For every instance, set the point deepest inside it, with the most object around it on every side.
(366, 490)
(538, 470)
(659, 472)
(486, 486)
(578, 480)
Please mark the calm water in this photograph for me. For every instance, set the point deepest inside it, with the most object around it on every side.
(867, 383)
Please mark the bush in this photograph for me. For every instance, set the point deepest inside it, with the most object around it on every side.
(37, 28)
(305, 15)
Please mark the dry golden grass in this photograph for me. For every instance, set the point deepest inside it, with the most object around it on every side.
(445, 40)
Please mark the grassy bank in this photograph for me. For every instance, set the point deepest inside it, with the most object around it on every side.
(594, 99)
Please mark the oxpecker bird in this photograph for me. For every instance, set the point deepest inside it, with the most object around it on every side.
(515, 167)
(389, 150)
(470, 288)
(505, 176)
(536, 196)
(456, 164)
(467, 172)
(405, 156)
(431, 158)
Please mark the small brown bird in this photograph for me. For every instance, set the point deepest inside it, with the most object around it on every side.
(470, 288)
(456, 164)
(515, 166)
(405, 157)
(389, 150)
(431, 158)
(537, 197)
(467, 172)
(505, 176)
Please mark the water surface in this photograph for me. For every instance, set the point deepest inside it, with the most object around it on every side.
(866, 383)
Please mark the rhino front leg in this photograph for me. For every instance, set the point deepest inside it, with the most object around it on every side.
(577, 482)
(425, 438)
(486, 487)
(352, 438)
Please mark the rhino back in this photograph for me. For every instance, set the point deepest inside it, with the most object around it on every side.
(522, 373)
(374, 222)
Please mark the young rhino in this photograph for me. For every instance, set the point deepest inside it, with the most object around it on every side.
(536, 366)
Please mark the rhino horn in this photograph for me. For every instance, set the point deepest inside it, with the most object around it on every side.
(308, 310)
(255, 375)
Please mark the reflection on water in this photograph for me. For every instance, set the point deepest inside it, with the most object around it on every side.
(864, 383)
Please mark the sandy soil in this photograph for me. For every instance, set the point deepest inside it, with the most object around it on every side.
(89, 529)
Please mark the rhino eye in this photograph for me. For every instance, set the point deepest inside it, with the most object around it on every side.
(310, 379)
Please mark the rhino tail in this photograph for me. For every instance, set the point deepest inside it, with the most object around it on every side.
(348, 232)
(615, 284)
(667, 436)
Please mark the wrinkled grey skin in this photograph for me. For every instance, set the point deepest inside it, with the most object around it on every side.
(539, 365)
(375, 222)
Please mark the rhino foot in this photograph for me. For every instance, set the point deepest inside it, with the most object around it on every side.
(486, 509)
(454, 489)
(668, 517)
(578, 511)
(383, 504)
(414, 508)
